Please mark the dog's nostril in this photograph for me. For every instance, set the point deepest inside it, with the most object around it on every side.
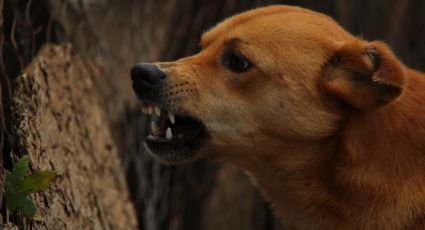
(149, 74)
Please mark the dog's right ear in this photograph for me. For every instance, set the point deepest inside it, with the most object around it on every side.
(364, 75)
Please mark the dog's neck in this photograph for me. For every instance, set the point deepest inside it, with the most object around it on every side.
(287, 173)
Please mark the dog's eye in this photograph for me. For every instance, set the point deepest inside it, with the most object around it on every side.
(236, 63)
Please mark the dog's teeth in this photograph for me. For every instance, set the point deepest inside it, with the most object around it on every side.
(157, 111)
(155, 129)
(168, 134)
(172, 117)
(150, 110)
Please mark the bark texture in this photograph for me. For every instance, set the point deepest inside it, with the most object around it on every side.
(58, 115)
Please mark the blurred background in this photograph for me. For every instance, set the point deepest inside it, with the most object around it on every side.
(66, 101)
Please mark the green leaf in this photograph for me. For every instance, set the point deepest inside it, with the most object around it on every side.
(19, 201)
(27, 207)
(18, 173)
(10, 181)
(36, 182)
(18, 184)
(20, 169)
(12, 199)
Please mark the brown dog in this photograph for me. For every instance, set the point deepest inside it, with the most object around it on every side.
(332, 127)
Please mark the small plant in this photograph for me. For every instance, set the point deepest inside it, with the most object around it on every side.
(18, 185)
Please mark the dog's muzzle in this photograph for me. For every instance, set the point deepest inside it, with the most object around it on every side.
(175, 136)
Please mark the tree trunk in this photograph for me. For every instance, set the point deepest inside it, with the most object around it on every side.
(61, 124)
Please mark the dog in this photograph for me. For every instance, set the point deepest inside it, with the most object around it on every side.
(330, 126)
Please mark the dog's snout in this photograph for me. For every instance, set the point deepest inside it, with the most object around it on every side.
(148, 74)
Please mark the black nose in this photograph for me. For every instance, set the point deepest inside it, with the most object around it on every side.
(148, 81)
(147, 74)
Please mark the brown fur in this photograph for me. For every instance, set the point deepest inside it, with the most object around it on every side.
(331, 127)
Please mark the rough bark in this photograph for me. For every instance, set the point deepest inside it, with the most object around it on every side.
(58, 116)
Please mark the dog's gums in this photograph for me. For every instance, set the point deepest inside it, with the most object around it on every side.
(331, 126)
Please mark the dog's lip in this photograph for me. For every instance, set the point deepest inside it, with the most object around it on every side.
(159, 139)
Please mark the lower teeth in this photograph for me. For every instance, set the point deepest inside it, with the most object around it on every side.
(168, 134)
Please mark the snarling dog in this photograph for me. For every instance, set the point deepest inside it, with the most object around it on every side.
(332, 127)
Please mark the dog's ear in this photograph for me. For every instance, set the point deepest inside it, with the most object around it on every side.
(365, 75)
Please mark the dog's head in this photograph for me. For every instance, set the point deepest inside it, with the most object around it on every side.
(275, 73)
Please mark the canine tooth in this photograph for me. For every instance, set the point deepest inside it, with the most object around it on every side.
(168, 134)
(150, 110)
(172, 117)
(154, 127)
(157, 111)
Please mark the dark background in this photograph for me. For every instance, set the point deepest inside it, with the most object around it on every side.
(200, 195)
